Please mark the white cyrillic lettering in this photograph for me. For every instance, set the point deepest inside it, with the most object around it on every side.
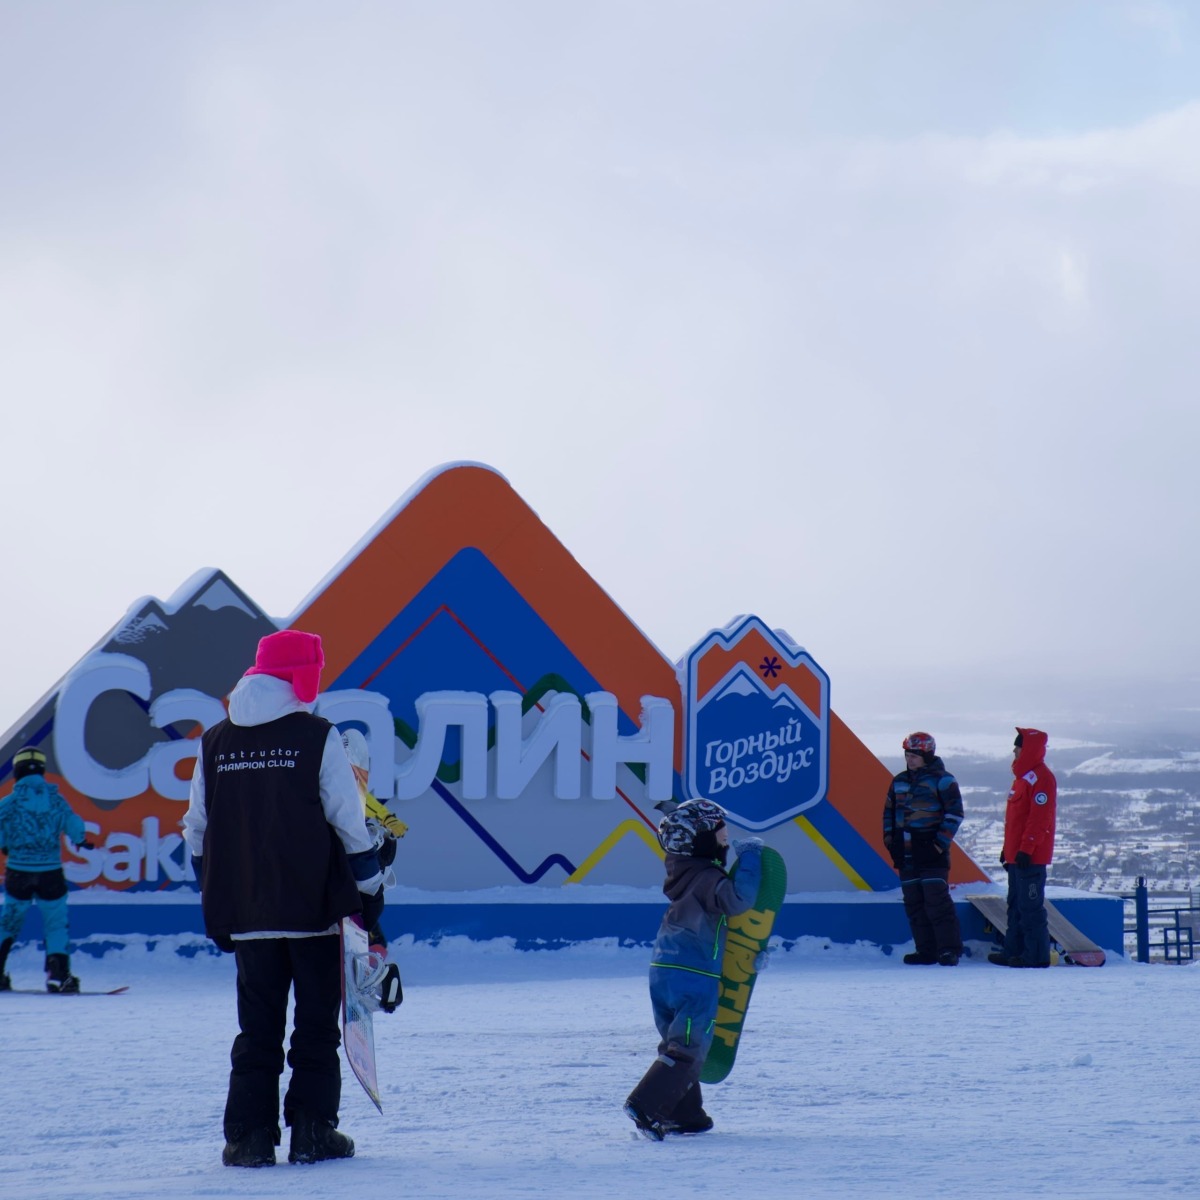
(182, 705)
(654, 745)
(557, 732)
(95, 675)
(436, 712)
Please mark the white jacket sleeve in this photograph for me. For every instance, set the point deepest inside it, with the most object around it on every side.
(195, 820)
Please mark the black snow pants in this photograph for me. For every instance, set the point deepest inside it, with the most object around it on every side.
(267, 970)
(930, 910)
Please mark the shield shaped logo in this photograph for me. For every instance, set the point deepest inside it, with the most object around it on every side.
(757, 724)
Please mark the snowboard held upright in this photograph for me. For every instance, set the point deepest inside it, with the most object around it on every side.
(746, 937)
(369, 983)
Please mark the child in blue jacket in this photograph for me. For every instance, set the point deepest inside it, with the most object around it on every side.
(685, 970)
(33, 818)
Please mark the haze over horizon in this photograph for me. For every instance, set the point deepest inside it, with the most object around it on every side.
(872, 320)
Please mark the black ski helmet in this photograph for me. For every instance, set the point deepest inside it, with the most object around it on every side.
(29, 760)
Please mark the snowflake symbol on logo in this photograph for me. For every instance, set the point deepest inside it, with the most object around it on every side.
(769, 666)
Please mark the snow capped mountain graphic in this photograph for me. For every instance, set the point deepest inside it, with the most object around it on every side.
(743, 683)
(203, 637)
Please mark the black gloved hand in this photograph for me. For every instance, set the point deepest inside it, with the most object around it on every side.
(896, 849)
(87, 844)
(224, 943)
(1003, 860)
(372, 909)
(1024, 862)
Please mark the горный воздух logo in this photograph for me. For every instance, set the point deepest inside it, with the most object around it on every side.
(757, 724)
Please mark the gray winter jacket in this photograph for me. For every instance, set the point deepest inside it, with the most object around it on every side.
(692, 934)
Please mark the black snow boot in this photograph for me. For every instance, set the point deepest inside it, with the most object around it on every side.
(688, 1115)
(58, 975)
(254, 1149)
(920, 960)
(5, 982)
(315, 1139)
(999, 958)
(948, 958)
(660, 1090)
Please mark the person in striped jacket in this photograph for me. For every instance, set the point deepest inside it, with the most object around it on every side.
(920, 819)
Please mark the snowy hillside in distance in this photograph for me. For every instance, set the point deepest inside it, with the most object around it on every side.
(1129, 796)
(504, 1072)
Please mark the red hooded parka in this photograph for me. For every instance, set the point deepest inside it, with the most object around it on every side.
(1032, 801)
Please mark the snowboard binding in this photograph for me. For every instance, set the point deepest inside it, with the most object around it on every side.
(377, 981)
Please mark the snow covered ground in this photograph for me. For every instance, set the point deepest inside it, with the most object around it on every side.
(504, 1072)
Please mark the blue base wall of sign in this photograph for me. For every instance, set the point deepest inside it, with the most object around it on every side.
(876, 918)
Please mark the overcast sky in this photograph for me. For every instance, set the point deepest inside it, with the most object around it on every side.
(875, 318)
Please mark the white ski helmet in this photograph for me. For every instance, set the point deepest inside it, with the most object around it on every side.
(678, 830)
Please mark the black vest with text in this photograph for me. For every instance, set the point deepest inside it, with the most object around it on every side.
(271, 863)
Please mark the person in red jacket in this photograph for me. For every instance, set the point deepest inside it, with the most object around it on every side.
(1028, 849)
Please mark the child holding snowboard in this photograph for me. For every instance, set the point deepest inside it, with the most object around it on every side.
(378, 975)
(685, 970)
(382, 824)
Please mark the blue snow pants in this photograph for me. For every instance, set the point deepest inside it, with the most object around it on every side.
(685, 1014)
(1028, 934)
(48, 889)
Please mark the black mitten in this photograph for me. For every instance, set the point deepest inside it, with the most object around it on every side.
(1024, 862)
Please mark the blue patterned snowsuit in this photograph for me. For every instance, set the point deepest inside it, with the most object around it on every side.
(685, 970)
(33, 818)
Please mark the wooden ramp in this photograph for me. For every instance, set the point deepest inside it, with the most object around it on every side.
(1076, 947)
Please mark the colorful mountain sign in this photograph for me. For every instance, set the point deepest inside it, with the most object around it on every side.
(523, 727)
(757, 721)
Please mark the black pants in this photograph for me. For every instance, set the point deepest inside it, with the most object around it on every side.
(268, 968)
(930, 910)
(1028, 934)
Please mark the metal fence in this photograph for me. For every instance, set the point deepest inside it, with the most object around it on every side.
(1161, 926)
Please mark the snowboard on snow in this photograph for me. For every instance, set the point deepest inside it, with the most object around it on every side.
(1077, 949)
(369, 983)
(746, 937)
(118, 991)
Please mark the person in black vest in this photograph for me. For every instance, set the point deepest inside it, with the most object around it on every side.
(282, 853)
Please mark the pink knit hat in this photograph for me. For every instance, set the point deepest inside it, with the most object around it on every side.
(292, 655)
